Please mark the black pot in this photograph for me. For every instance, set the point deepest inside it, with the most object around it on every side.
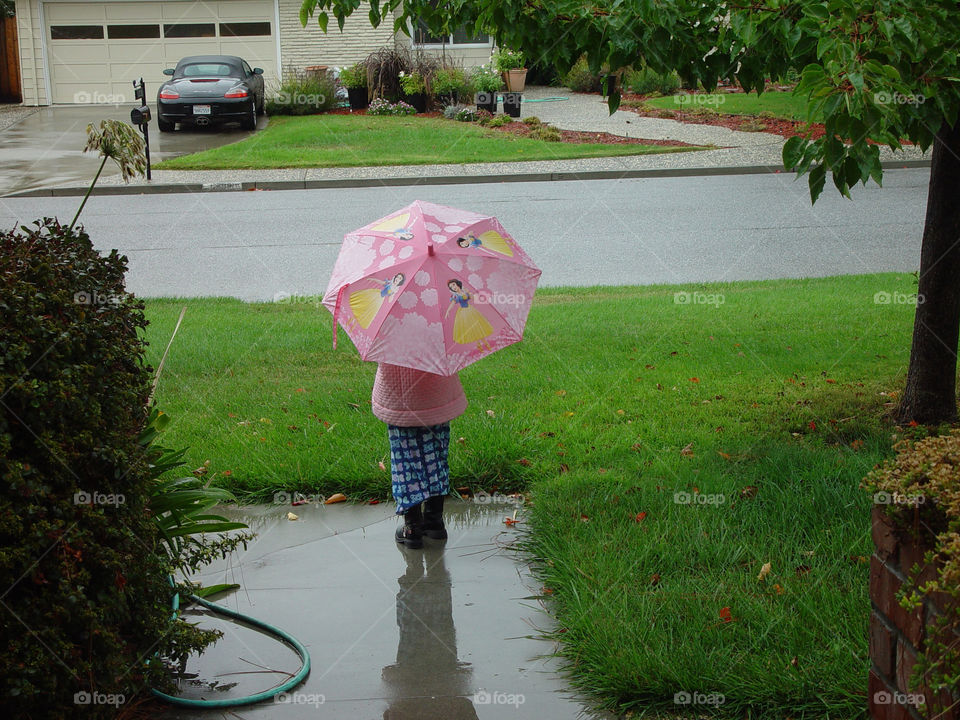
(487, 101)
(418, 100)
(511, 103)
(358, 98)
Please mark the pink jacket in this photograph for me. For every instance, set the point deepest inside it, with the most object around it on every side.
(414, 398)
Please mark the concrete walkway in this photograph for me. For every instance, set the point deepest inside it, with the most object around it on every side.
(734, 152)
(444, 632)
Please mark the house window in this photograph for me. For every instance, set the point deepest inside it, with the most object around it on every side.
(460, 36)
(244, 29)
(187, 30)
(76, 32)
(129, 32)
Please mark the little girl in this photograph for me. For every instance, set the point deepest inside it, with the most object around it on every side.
(418, 407)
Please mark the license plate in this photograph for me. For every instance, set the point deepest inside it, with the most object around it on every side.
(201, 109)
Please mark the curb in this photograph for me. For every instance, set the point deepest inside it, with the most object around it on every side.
(337, 183)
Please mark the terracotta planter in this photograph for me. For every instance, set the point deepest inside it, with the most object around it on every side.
(515, 80)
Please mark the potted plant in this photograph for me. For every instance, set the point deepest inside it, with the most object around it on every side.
(486, 82)
(447, 83)
(354, 79)
(509, 63)
(414, 87)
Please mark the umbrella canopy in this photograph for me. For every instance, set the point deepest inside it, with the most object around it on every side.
(431, 287)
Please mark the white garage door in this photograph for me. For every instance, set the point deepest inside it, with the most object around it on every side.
(95, 50)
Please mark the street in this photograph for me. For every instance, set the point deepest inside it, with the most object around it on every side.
(257, 245)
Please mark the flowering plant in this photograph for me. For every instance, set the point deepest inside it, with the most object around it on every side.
(486, 79)
(412, 83)
(385, 107)
(507, 59)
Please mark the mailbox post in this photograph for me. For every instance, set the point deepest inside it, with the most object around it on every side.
(140, 116)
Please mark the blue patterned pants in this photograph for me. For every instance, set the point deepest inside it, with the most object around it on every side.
(418, 463)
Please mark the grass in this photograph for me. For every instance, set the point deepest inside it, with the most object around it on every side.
(769, 394)
(352, 141)
(777, 104)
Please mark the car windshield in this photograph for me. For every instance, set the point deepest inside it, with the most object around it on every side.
(208, 69)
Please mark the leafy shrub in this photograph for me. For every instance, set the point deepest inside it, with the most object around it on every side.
(466, 114)
(545, 132)
(500, 120)
(506, 59)
(532, 120)
(354, 76)
(484, 117)
(385, 107)
(450, 84)
(644, 81)
(384, 67)
(81, 560)
(581, 79)
(301, 93)
(925, 474)
(413, 83)
(450, 112)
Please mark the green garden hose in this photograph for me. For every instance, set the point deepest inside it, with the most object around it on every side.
(247, 699)
(546, 99)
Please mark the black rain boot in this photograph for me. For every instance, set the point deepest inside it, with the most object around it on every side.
(410, 533)
(433, 518)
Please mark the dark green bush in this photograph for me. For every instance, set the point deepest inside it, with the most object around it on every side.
(580, 79)
(302, 93)
(644, 81)
(86, 600)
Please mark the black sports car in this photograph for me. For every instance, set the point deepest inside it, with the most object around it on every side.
(208, 90)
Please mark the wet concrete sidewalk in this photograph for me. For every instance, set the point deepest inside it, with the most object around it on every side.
(444, 632)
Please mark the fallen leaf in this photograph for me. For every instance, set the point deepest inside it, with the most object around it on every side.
(584, 518)
(777, 589)
(856, 444)
(546, 591)
(620, 412)
(831, 381)
(639, 516)
(335, 498)
(561, 393)
(381, 465)
(564, 467)
(491, 413)
(812, 425)
(373, 502)
(268, 421)
(228, 473)
(291, 516)
(725, 614)
(749, 491)
(524, 462)
(462, 440)
(725, 456)
(688, 450)
(801, 569)
(510, 522)
(694, 379)
(764, 571)
(655, 578)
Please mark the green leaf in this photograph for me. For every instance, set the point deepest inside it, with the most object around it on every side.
(817, 179)
(322, 20)
(206, 592)
(613, 101)
(820, 12)
(793, 151)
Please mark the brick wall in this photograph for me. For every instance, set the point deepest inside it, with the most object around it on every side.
(896, 634)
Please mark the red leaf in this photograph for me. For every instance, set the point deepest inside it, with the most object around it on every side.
(812, 425)
(640, 516)
(695, 379)
(725, 614)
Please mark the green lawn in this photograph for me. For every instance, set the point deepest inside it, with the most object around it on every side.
(762, 401)
(350, 141)
(779, 104)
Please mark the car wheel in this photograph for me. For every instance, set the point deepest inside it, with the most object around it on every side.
(250, 121)
(261, 109)
(165, 126)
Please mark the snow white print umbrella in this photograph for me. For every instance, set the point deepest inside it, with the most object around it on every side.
(431, 287)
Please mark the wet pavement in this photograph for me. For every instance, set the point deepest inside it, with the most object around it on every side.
(447, 632)
(46, 147)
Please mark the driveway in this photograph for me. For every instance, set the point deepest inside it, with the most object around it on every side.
(46, 147)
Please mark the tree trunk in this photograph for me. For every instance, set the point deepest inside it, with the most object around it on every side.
(930, 394)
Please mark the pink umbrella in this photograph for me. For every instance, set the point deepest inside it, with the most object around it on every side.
(431, 287)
